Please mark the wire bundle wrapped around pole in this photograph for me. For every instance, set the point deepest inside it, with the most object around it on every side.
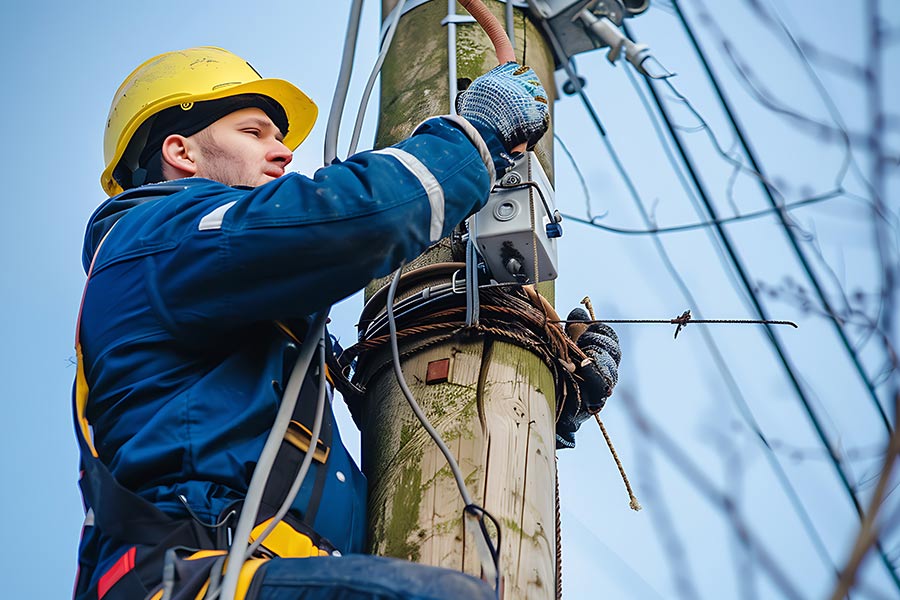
(509, 314)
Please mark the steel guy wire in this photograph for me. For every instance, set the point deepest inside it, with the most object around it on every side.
(680, 321)
(767, 192)
(776, 344)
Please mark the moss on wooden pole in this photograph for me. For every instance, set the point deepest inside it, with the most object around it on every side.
(496, 408)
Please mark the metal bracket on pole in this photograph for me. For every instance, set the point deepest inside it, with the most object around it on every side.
(586, 25)
(411, 4)
(609, 35)
(457, 19)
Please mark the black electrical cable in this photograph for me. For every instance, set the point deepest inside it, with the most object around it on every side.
(573, 76)
(776, 344)
(651, 230)
(579, 174)
(792, 237)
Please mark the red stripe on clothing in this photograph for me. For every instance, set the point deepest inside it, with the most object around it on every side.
(115, 573)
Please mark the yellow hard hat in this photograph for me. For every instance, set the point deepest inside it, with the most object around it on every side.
(184, 77)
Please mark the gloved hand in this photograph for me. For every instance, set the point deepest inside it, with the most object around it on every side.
(598, 374)
(507, 103)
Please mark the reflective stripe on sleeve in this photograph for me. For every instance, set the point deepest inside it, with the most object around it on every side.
(214, 219)
(476, 139)
(432, 188)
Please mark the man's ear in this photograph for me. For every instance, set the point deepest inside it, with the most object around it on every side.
(178, 154)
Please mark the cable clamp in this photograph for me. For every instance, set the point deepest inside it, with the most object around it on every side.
(681, 321)
(455, 286)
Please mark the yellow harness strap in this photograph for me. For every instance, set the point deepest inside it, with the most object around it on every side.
(286, 542)
(248, 571)
(81, 385)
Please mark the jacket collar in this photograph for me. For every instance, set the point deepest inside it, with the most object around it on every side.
(117, 207)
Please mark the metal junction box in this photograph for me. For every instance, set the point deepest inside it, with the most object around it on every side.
(514, 221)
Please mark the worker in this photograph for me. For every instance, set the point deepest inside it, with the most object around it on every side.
(205, 269)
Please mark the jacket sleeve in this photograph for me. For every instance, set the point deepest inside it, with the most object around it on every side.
(297, 244)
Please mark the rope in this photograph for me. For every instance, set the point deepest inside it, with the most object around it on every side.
(634, 504)
(558, 539)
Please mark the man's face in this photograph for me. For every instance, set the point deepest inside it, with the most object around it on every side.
(242, 148)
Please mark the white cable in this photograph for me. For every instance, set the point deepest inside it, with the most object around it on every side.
(451, 54)
(473, 302)
(370, 84)
(343, 83)
(417, 410)
(267, 457)
(490, 560)
(307, 459)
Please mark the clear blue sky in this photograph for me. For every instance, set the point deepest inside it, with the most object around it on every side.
(63, 61)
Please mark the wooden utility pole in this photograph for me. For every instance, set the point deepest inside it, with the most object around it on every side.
(496, 408)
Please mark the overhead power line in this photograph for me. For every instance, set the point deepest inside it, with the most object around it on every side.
(791, 235)
(738, 399)
(741, 271)
(741, 403)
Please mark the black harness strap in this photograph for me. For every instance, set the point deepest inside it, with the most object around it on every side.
(289, 458)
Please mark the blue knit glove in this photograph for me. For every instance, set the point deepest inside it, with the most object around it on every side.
(597, 376)
(509, 102)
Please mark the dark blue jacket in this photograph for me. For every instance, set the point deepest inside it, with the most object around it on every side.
(184, 364)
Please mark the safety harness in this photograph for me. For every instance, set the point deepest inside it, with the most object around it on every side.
(180, 559)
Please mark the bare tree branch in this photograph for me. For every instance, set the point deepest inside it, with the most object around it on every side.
(868, 530)
(833, 62)
(669, 539)
(692, 473)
